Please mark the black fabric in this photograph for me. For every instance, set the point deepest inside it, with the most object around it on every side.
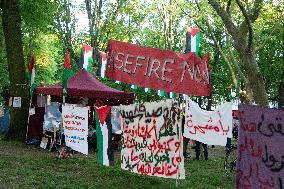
(197, 150)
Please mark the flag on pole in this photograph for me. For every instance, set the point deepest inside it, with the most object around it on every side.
(67, 72)
(102, 132)
(161, 93)
(31, 74)
(134, 87)
(102, 64)
(86, 57)
(192, 40)
(172, 95)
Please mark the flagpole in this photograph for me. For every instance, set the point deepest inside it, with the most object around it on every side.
(31, 68)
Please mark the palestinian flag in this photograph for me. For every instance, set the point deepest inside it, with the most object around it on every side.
(172, 95)
(102, 65)
(192, 40)
(161, 93)
(134, 87)
(31, 74)
(86, 57)
(147, 90)
(104, 134)
(67, 72)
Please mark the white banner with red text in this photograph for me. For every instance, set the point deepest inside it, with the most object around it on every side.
(75, 124)
(152, 139)
(209, 127)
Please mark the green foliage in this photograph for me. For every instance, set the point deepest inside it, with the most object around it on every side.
(4, 77)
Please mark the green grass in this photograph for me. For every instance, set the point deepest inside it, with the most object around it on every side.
(23, 166)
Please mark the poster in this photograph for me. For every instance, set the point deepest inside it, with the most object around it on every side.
(158, 69)
(209, 127)
(17, 102)
(152, 140)
(260, 161)
(75, 124)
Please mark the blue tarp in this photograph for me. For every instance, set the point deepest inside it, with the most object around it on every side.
(5, 121)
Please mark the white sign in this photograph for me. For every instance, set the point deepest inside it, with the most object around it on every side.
(152, 140)
(75, 124)
(209, 127)
(17, 102)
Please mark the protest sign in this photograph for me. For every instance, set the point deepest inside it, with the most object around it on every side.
(209, 127)
(158, 69)
(260, 161)
(152, 140)
(75, 124)
(17, 102)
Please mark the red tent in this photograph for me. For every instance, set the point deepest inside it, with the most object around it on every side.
(83, 84)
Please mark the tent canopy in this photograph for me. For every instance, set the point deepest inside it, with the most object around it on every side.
(83, 84)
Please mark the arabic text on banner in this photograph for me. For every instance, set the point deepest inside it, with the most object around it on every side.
(209, 127)
(260, 161)
(152, 140)
(75, 124)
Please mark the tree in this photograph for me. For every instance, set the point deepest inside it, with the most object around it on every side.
(19, 88)
(243, 41)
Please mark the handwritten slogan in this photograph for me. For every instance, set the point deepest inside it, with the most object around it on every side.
(260, 161)
(75, 124)
(209, 127)
(158, 69)
(151, 139)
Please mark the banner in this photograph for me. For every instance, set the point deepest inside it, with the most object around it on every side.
(209, 127)
(158, 69)
(75, 124)
(152, 140)
(260, 161)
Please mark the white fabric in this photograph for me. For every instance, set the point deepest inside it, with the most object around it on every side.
(103, 68)
(193, 43)
(115, 119)
(33, 76)
(75, 124)
(209, 127)
(151, 140)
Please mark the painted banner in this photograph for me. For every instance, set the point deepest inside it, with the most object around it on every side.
(158, 69)
(75, 124)
(152, 140)
(209, 127)
(260, 161)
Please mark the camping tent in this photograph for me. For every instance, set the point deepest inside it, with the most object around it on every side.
(83, 84)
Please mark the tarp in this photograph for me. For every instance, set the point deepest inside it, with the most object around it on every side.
(83, 84)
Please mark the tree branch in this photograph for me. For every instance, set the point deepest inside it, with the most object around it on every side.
(232, 29)
(252, 16)
(250, 37)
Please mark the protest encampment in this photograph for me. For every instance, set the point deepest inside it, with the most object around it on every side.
(142, 94)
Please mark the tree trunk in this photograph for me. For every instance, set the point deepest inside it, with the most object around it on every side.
(19, 88)
(255, 79)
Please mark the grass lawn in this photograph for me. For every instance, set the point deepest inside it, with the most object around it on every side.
(23, 166)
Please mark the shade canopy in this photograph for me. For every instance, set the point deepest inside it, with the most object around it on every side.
(83, 84)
